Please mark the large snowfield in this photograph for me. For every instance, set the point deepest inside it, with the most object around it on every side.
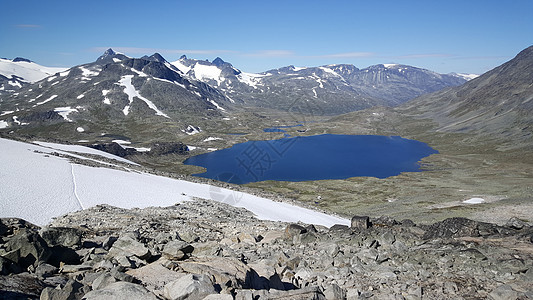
(38, 186)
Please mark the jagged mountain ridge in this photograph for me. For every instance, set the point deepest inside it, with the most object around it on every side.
(330, 89)
(498, 102)
(111, 92)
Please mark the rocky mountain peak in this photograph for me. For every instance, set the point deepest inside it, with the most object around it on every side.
(218, 62)
(21, 59)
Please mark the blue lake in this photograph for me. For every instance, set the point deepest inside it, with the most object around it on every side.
(316, 157)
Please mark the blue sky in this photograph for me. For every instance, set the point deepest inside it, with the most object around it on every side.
(466, 36)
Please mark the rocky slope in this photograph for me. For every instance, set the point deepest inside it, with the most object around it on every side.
(209, 250)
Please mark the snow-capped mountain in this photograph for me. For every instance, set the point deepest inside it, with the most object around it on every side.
(20, 71)
(329, 89)
(113, 94)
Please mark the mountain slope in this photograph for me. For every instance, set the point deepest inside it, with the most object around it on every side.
(115, 94)
(498, 102)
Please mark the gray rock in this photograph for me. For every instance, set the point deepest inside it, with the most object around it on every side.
(20, 286)
(360, 222)
(120, 291)
(26, 248)
(72, 290)
(515, 223)
(108, 242)
(61, 236)
(45, 270)
(293, 230)
(335, 292)
(177, 250)
(504, 292)
(102, 281)
(127, 246)
(192, 286)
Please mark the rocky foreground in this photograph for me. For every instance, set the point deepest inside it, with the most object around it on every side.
(209, 250)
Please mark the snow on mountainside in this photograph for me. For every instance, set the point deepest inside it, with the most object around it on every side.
(102, 95)
(38, 186)
(329, 89)
(465, 76)
(19, 71)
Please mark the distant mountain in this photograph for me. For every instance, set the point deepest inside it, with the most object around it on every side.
(330, 89)
(115, 94)
(499, 102)
(21, 71)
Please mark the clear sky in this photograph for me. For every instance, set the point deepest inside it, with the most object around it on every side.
(468, 36)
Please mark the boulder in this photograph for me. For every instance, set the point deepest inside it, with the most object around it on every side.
(293, 230)
(360, 222)
(61, 236)
(127, 245)
(334, 292)
(120, 291)
(503, 292)
(459, 227)
(45, 270)
(102, 281)
(515, 223)
(177, 250)
(191, 286)
(26, 248)
(155, 276)
(20, 286)
(72, 290)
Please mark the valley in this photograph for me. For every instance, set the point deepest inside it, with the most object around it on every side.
(209, 106)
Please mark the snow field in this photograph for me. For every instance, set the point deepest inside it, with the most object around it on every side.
(38, 187)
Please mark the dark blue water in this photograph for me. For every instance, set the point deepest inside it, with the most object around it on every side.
(278, 128)
(313, 158)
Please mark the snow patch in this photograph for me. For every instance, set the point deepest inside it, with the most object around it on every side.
(80, 96)
(202, 72)
(216, 105)
(183, 68)
(474, 201)
(65, 111)
(16, 120)
(15, 83)
(389, 65)
(191, 130)
(7, 112)
(121, 142)
(129, 89)
(87, 73)
(80, 129)
(3, 124)
(47, 100)
(212, 139)
(191, 148)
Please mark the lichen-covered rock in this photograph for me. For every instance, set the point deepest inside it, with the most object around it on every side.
(192, 286)
(120, 291)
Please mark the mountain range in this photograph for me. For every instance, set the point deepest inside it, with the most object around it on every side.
(130, 96)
